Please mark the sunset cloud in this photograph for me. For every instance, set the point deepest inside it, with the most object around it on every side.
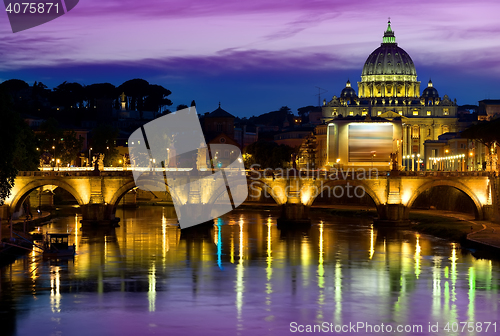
(220, 37)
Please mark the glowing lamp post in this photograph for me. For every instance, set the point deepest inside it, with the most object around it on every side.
(412, 162)
(418, 162)
(374, 153)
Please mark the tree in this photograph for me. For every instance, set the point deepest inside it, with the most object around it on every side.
(14, 85)
(18, 146)
(267, 155)
(57, 144)
(486, 132)
(136, 89)
(104, 141)
(156, 99)
(94, 92)
(69, 95)
(181, 107)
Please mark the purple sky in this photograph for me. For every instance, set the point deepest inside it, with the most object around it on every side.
(257, 56)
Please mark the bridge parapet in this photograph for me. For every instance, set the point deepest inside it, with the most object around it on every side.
(294, 190)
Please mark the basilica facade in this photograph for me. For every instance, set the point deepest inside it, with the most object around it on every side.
(389, 91)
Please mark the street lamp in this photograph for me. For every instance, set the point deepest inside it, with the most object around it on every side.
(412, 162)
(374, 153)
(418, 162)
(90, 156)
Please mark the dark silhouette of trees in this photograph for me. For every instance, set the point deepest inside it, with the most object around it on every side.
(136, 91)
(69, 95)
(268, 155)
(55, 143)
(95, 92)
(18, 145)
(181, 107)
(156, 99)
(104, 141)
(13, 86)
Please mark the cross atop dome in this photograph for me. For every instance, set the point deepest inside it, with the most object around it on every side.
(389, 36)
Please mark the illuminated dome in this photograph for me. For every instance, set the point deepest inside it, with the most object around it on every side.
(430, 92)
(348, 91)
(389, 59)
(389, 71)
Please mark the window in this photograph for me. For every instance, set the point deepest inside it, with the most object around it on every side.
(219, 127)
(415, 132)
(364, 113)
(429, 113)
(446, 128)
(446, 111)
(400, 112)
(415, 113)
(351, 113)
(379, 112)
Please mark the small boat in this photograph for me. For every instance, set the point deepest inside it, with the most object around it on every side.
(56, 245)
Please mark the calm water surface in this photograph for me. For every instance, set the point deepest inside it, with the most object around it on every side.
(245, 277)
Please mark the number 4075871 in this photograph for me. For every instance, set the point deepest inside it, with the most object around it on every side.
(32, 8)
(470, 327)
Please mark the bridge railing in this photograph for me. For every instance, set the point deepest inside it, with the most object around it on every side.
(445, 173)
(350, 174)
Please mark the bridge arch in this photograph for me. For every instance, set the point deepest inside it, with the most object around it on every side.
(250, 184)
(118, 195)
(21, 195)
(478, 210)
(354, 183)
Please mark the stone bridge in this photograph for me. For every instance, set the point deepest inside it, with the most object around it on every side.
(99, 192)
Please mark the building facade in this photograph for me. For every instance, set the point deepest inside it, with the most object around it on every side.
(389, 89)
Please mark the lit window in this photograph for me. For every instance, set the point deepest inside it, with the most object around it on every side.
(351, 113)
(400, 112)
(415, 113)
(379, 112)
(364, 113)
(429, 113)
(415, 132)
(446, 111)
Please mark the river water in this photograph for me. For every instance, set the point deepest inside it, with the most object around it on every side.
(245, 277)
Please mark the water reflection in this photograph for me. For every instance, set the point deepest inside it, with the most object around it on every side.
(243, 276)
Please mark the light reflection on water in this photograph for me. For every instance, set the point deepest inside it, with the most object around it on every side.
(244, 277)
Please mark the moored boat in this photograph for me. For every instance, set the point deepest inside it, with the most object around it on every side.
(56, 245)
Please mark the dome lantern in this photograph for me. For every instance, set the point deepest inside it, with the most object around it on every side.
(389, 71)
(389, 36)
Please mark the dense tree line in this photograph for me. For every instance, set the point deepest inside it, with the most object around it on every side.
(72, 102)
